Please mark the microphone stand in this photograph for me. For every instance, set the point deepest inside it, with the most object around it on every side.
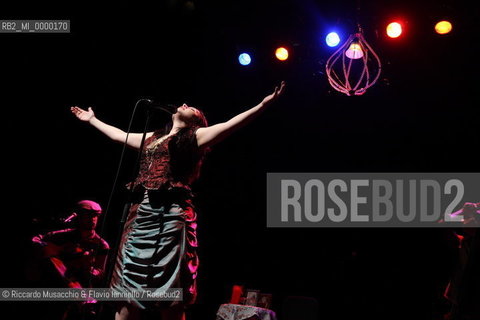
(126, 209)
(128, 204)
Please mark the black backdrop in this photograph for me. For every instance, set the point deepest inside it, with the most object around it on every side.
(421, 116)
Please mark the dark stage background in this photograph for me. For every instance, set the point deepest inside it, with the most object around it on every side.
(422, 116)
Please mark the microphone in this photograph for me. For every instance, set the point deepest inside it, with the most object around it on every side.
(69, 218)
(170, 108)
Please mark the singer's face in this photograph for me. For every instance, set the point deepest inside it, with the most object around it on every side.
(186, 112)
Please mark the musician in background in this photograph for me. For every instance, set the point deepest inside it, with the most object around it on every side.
(75, 256)
(78, 254)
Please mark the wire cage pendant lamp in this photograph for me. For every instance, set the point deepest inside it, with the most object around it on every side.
(354, 67)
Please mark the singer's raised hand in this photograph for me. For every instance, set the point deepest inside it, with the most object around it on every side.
(83, 115)
(274, 96)
(134, 139)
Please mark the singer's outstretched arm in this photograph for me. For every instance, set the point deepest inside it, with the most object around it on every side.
(208, 136)
(116, 134)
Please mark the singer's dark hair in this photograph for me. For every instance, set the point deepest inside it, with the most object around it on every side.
(188, 158)
(199, 120)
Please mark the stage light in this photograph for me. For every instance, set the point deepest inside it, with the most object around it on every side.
(443, 27)
(354, 51)
(394, 30)
(281, 54)
(244, 59)
(332, 39)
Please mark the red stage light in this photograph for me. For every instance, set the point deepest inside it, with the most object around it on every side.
(394, 29)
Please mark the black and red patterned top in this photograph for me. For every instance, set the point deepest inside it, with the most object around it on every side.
(173, 163)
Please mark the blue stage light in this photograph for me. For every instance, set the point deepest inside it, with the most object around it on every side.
(332, 39)
(244, 59)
